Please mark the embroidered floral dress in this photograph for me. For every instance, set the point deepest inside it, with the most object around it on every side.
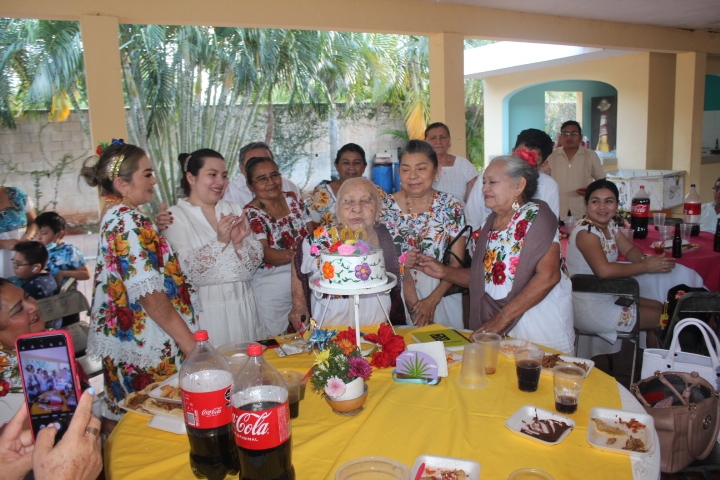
(13, 223)
(134, 260)
(11, 396)
(595, 312)
(270, 283)
(431, 232)
(548, 323)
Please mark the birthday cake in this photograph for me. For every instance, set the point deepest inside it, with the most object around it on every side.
(352, 263)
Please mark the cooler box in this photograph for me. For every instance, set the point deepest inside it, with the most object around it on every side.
(665, 187)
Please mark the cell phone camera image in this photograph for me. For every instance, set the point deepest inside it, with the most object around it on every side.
(48, 381)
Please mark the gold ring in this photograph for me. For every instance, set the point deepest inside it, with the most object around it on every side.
(92, 431)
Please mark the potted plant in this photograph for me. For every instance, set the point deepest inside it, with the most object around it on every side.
(340, 371)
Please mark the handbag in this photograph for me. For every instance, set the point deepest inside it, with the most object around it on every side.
(674, 359)
(464, 262)
(685, 409)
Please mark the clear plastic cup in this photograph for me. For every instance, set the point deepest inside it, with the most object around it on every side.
(658, 220)
(628, 232)
(491, 344)
(685, 231)
(472, 370)
(528, 363)
(293, 381)
(567, 382)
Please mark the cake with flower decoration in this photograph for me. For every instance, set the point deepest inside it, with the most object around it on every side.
(350, 262)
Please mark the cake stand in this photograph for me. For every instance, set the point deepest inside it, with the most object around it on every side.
(315, 285)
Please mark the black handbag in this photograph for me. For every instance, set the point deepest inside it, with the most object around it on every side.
(464, 262)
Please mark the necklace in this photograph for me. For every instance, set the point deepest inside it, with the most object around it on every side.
(408, 202)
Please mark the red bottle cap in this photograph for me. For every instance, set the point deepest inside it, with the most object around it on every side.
(200, 336)
(254, 350)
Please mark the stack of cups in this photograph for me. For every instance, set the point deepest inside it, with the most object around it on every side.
(472, 373)
(491, 346)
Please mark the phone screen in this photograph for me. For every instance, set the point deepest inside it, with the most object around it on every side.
(269, 343)
(48, 381)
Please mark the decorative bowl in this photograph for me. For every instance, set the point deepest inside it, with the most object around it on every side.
(348, 407)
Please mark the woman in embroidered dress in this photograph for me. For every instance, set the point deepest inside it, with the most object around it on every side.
(457, 175)
(350, 162)
(358, 207)
(280, 222)
(142, 315)
(517, 286)
(424, 218)
(18, 315)
(17, 223)
(204, 227)
(593, 249)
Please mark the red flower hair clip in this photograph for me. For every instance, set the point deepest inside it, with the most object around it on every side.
(527, 155)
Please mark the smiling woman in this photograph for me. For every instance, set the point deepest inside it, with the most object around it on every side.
(202, 232)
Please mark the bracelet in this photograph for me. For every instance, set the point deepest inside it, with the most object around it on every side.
(503, 315)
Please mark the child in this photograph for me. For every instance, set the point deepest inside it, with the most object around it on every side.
(65, 260)
(29, 263)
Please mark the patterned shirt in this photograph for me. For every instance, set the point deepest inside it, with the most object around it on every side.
(64, 257)
(14, 217)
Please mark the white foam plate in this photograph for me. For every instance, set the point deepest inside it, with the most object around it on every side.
(142, 412)
(570, 360)
(434, 462)
(509, 343)
(599, 440)
(157, 392)
(168, 423)
(668, 243)
(526, 415)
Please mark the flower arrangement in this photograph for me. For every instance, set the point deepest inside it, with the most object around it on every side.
(339, 364)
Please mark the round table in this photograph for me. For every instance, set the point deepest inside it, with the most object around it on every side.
(404, 421)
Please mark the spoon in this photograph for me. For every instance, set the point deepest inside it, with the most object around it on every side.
(420, 471)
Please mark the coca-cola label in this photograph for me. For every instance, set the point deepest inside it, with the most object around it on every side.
(691, 208)
(640, 209)
(207, 409)
(261, 429)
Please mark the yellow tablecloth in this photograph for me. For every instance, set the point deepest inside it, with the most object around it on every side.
(401, 421)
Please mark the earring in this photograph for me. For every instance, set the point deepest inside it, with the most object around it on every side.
(515, 205)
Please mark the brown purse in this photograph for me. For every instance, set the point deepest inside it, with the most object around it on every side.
(685, 408)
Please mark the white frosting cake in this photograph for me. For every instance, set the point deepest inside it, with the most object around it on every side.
(353, 271)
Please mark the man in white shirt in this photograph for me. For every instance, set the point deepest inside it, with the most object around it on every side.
(533, 140)
(238, 191)
(573, 167)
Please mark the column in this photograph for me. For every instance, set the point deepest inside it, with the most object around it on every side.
(687, 128)
(103, 76)
(447, 86)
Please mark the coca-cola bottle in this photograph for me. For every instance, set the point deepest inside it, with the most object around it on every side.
(261, 420)
(639, 213)
(692, 206)
(206, 382)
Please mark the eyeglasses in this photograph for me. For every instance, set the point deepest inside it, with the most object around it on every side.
(264, 179)
(364, 203)
(716, 188)
(16, 264)
(568, 134)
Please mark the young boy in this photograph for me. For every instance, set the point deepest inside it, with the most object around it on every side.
(66, 261)
(28, 263)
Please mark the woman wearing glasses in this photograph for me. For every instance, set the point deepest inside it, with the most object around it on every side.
(280, 222)
(711, 211)
(573, 167)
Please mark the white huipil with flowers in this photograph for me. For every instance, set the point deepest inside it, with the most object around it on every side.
(548, 323)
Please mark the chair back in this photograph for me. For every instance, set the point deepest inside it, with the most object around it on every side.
(68, 302)
(692, 302)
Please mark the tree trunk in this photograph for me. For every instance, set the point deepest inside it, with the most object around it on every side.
(334, 134)
(270, 119)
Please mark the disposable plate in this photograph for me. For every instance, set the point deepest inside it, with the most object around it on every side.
(570, 360)
(613, 417)
(169, 424)
(156, 393)
(434, 462)
(525, 416)
(510, 345)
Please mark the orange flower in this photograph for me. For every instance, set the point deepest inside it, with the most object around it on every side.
(346, 346)
(328, 270)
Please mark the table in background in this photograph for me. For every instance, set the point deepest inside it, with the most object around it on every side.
(402, 421)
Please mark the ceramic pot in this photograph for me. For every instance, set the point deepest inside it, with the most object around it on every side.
(348, 407)
(353, 390)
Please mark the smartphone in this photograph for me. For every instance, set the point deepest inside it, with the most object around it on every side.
(269, 343)
(624, 301)
(50, 380)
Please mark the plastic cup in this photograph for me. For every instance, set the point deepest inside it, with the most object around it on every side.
(659, 248)
(570, 224)
(528, 363)
(491, 345)
(472, 372)
(685, 231)
(292, 381)
(666, 232)
(628, 232)
(530, 474)
(567, 384)
(658, 220)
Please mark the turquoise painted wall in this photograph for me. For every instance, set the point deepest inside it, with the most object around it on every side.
(712, 92)
(526, 108)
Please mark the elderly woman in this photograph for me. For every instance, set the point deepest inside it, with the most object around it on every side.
(142, 315)
(457, 174)
(18, 315)
(593, 248)
(710, 213)
(204, 227)
(280, 222)
(517, 287)
(428, 220)
(350, 162)
(358, 207)
(17, 223)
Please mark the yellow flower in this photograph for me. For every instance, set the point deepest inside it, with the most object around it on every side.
(116, 291)
(327, 219)
(148, 238)
(328, 270)
(320, 199)
(322, 357)
(122, 246)
(490, 257)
